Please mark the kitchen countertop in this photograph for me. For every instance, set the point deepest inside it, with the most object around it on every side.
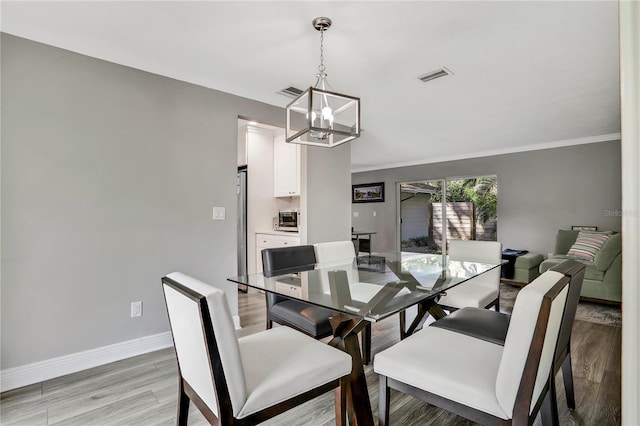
(283, 233)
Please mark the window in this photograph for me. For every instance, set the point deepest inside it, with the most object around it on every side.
(470, 212)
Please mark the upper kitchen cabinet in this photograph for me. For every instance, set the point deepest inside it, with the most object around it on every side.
(286, 168)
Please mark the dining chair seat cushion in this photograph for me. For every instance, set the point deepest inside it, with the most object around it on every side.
(311, 319)
(281, 363)
(480, 323)
(452, 365)
(470, 294)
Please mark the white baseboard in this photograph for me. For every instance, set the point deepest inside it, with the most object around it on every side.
(16, 377)
(13, 378)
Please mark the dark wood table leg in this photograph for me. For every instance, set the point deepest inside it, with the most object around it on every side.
(365, 336)
(403, 324)
(345, 331)
(425, 307)
(436, 311)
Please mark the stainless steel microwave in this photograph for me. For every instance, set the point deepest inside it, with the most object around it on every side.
(288, 221)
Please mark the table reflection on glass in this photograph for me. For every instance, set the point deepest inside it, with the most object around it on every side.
(369, 288)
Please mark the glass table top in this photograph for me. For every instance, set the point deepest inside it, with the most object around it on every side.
(372, 287)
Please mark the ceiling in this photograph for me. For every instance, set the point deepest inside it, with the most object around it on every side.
(528, 75)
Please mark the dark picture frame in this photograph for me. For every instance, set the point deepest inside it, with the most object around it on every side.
(367, 193)
(583, 228)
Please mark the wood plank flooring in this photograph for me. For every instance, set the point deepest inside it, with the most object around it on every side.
(143, 390)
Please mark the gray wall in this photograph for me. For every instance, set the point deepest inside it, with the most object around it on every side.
(328, 193)
(109, 176)
(539, 192)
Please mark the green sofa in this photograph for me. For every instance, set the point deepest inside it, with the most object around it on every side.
(603, 276)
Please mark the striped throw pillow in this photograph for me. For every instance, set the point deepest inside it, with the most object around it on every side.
(588, 244)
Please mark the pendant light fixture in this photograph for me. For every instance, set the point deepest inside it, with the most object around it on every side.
(320, 116)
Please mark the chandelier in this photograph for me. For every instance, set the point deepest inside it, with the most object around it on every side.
(320, 116)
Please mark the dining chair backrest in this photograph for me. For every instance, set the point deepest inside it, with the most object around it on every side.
(478, 251)
(337, 253)
(205, 341)
(288, 259)
(281, 260)
(334, 251)
(530, 343)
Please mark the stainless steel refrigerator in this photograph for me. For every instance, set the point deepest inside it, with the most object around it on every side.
(242, 224)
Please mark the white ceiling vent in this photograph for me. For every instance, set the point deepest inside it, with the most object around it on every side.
(290, 92)
(444, 71)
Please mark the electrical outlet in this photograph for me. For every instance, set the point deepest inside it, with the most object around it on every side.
(136, 309)
(374, 214)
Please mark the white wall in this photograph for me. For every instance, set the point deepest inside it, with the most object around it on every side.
(261, 204)
(630, 101)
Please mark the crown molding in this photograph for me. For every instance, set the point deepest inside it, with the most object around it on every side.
(512, 150)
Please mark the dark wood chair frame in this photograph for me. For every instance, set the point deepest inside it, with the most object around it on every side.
(562, 359)
(186, 393)
(524, 396)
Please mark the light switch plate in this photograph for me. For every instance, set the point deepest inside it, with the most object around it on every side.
(136, 309)
(218, 213)
(356, 214)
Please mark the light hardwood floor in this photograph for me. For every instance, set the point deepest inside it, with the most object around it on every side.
(143, 390)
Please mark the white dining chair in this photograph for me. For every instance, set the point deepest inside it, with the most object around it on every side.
(343, 253)
(247, 380)
(477, 379)
(493, 326)
(479, 292)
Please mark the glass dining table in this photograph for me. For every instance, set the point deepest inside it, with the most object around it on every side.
(368, 289)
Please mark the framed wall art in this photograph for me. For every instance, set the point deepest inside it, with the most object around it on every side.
(367, 193)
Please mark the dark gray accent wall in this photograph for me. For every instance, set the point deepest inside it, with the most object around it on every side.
(109, 176)
(539, 192)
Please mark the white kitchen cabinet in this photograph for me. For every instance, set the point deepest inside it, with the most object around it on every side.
(289, 289)
(286, 168)
(264, 241)
(285, 241)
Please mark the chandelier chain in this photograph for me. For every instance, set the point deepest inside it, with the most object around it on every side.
(321, 67)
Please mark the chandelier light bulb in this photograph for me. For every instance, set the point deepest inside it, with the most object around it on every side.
(327, 114)
(313, 116)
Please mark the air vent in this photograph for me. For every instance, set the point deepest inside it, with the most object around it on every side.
(290, 92)
(434, 74)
